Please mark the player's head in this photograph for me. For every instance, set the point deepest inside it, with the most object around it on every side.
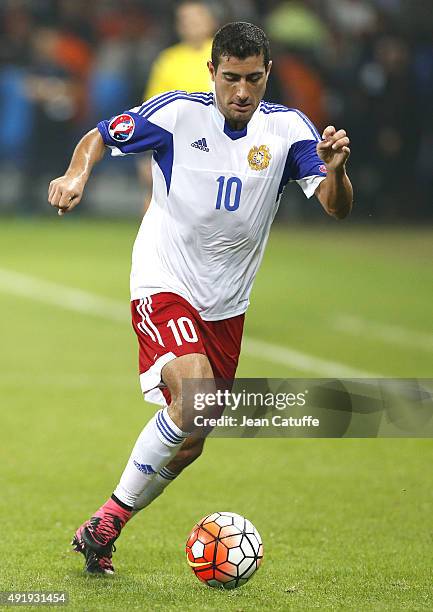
(195, 23)
(240, 68)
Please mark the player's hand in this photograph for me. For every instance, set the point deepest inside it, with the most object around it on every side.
(65, 193)
(334, 148)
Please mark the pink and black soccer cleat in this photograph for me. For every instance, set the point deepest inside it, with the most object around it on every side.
(95, 540)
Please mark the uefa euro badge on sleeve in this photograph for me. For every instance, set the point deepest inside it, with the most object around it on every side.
(121, 128)
(259, 157)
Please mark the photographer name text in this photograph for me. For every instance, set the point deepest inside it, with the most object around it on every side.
(276, 421)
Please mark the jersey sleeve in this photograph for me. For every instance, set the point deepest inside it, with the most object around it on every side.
(303, 165)
(144, 128)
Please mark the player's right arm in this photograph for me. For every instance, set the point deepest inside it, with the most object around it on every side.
(144, 128)
(66, 191)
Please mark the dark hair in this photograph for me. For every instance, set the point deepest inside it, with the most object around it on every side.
(240, 39)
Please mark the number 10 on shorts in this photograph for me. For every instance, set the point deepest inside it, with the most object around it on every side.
(183, 329)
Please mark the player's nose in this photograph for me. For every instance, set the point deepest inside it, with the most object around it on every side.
(242, 93)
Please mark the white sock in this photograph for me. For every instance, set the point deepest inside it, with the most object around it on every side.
(154, 488)
(157, 444)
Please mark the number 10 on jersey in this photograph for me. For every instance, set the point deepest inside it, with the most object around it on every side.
(229, 193)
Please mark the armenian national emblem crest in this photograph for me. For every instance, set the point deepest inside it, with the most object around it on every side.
(259, 157)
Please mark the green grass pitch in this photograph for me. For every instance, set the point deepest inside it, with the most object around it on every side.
(346, 524)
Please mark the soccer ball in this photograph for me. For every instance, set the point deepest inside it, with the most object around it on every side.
(224, 550)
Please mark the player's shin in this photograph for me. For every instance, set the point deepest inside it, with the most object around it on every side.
(157, 444)
(154, 489)
(190, 450)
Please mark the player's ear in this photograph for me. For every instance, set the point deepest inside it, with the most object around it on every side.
(211, 69)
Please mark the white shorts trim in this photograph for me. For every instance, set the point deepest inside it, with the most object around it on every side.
(155, 396)
(150, 381)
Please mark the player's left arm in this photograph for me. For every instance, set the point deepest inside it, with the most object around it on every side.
(335, 192)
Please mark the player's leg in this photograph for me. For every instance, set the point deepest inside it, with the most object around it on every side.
(164, 310)
(152, 465)
(190, 450)
(173, 374)
(223, 342)
(163, 438)
(156, 446)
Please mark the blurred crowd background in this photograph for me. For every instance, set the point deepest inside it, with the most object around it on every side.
(365, 65)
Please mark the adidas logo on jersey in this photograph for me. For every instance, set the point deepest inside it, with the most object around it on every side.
(201, 144)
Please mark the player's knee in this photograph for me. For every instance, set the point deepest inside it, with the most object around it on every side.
(187, 378)
(194, 366)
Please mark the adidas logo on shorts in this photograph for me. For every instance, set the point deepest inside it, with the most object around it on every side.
(201, 144)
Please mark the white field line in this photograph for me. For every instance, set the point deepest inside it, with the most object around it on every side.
(65, 297)
(392, 334)
(68, 298)
(302, 361)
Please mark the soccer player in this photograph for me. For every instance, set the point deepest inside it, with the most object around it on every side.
(220, 163)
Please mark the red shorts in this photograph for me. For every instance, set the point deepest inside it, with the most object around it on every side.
(167, 326)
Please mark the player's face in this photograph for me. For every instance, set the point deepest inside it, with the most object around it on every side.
(239, 86)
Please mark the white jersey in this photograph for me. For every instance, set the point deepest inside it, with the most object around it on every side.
(215, 194)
